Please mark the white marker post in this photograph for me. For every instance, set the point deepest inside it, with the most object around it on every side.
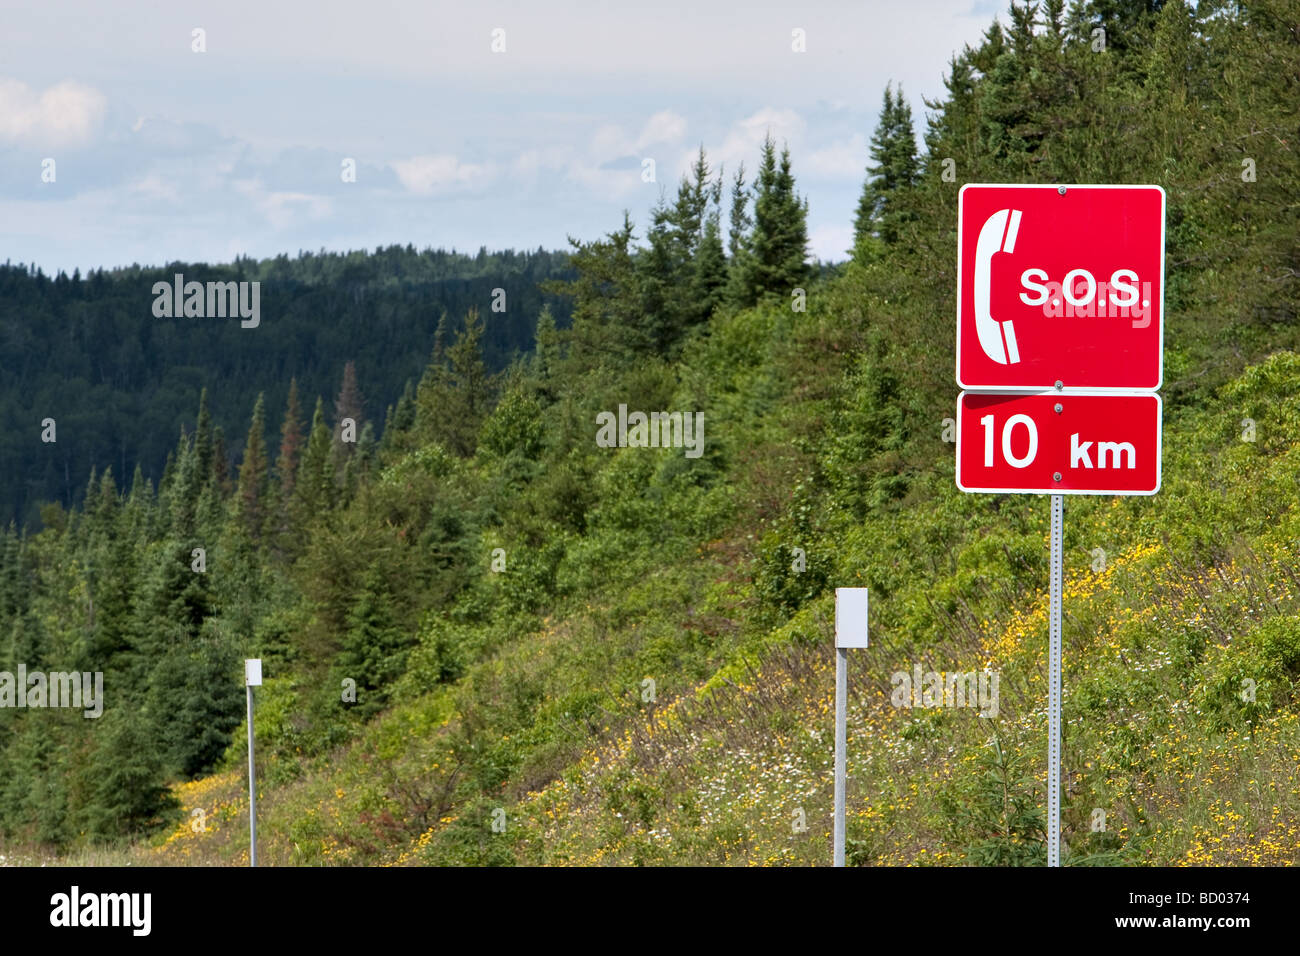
(252, 678)
(850, 631)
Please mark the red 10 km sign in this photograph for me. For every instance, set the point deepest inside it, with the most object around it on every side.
(1060, 284)
(1059, 443)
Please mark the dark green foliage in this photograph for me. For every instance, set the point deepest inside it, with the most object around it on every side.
(777, 249)
(120, 382)
(455, 392)
(894, 168)
(122, 777)
(374, 646)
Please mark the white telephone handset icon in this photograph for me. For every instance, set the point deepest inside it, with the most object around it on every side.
(991, 242)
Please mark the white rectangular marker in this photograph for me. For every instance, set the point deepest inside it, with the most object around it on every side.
(850, 617)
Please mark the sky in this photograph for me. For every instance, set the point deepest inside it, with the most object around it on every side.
(161, 153)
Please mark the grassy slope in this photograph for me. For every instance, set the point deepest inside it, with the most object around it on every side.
(1198, 593)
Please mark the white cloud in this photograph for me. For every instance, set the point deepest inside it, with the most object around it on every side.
(66, 114)
(283, 209)
(664, 127)
(153, 186)
(840, 160)
(831, 242)
(426, 175)
(744, 141)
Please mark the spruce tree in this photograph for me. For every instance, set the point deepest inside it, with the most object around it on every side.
(739, 227)
(123, 779)
(779, 244)
(659, 268)
(253, 476)
(709, 279)
(348, 405)
(313, 492)
(894, 167)
(220, 461)
(453, 395)
(203, 441)
(291, 441)
(183, 493)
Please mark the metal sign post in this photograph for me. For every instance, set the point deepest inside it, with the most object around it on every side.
(1054, 690)
(850, 631)
(252, 678)
(841, 746)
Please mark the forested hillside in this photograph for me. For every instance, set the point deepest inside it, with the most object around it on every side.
(119, 381)
(491, 639)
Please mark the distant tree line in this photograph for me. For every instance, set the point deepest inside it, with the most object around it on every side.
(89, 353)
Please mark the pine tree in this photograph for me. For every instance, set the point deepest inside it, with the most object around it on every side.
(658, 267)
(203, 448)
(220, 461)
(453, 396)
(253, 475)
(291, 441)
(709, 281)
(739, 227)
(779, 242)
(348, 405)
(313, 492)
(894, 167)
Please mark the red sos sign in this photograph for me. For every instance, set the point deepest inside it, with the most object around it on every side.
(1060, 284)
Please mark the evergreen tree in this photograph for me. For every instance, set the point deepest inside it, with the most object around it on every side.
(779, 243)
(398, 423)
(659, 268)
(203, 447)
(313, 492)
(253, 476)
(709, 281)
(694, 195)
(374, 648)
(123, 779)
(452, 398)
(220, 461)
(349, 404)
(183, 492)
(546, 354)
(894, 167)
(739, 227)
(195, 703)
(291, 441)
(607, 315)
